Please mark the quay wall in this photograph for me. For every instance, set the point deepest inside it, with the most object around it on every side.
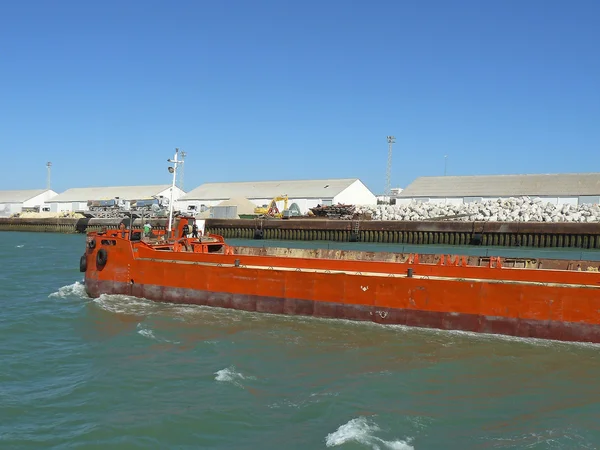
(69, 224)
(509, 234)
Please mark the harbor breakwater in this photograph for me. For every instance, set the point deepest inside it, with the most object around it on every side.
(507, 234)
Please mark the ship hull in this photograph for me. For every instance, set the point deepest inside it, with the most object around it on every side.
(449, 295)
(386, 315)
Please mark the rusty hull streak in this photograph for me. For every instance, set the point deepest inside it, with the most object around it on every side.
(526, 328)
(359, 255)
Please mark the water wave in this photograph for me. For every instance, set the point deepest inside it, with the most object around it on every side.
(148, 333)
(230, 375)
(549, 438)
(315, 397)
(465, 336)
(362, 431)
(76, 289)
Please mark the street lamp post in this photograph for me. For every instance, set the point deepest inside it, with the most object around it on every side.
(173, 170)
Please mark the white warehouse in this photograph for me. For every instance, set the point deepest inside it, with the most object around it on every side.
(559, 189)
(76, 199)
(13, 202)
(305, 193)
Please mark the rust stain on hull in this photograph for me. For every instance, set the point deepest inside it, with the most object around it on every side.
(526, 328)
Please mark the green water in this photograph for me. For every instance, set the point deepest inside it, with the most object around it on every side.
(124, 373)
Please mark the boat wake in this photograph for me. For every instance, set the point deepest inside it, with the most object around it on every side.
(231, 376)
(123, 304)
(76, 289)
(361, 430)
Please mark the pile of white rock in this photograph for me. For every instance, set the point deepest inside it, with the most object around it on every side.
(522, 209)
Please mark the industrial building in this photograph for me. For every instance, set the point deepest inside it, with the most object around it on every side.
(305, 193)
(559, 189)
(76, 199)
(15, 202)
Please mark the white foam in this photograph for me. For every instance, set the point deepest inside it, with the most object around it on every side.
(231, 376)
(228, 374)
(444, 335)
(76, 289)
(362, 430)
(147, 333)
(20, 246)
(124, 304)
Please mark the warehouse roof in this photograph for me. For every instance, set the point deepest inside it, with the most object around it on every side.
(270, 189)
(20, 196)
(505, 185)
(107, 193)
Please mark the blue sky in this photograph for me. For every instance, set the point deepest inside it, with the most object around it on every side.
(274, 89)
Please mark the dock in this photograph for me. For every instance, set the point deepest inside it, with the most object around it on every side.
(505, 234)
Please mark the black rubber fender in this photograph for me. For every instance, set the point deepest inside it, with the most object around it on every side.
(92, 244)
(101, 257)
(83, 263)
(82, 224)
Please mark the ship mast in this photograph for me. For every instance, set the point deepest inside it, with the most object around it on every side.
(173, 170)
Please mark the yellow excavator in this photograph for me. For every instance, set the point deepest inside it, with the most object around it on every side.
(272, 210)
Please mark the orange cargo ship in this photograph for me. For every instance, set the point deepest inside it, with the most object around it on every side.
(450, 294)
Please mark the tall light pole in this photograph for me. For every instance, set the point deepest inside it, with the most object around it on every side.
(388, 175)
(173, 170)
(48, 175)
(183, 155)
(445, 164)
